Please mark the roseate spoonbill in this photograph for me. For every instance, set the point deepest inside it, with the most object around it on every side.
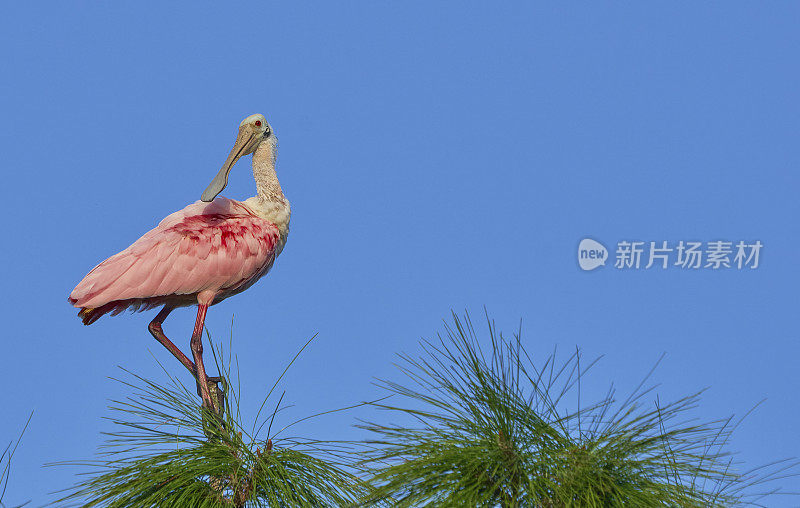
(210, 250)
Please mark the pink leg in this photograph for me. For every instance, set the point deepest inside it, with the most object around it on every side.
(204, 299)
(158, 333)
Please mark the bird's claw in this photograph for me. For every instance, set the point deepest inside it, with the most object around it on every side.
(216, 392)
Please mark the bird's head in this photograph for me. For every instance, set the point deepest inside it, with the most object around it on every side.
(252, 132)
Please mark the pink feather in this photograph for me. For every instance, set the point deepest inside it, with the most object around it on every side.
(221, 246)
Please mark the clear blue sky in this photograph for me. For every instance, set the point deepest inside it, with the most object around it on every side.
(437, 156)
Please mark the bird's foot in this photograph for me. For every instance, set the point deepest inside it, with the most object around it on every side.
(217, 394)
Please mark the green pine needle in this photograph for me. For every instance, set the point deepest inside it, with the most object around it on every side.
(492, 430)
(6, 457)
(166, 451)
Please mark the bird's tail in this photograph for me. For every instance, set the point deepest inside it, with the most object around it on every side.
(87, 314)
(91, 314)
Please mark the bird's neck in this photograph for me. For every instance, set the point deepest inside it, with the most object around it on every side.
(269, 203)
(267, 185)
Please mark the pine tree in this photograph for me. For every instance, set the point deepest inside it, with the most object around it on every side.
(488, 427)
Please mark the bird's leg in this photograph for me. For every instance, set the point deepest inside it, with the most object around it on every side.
(157, 332)
(216, 404)
(197, 351)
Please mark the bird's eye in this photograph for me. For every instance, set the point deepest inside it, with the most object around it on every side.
(258, 123)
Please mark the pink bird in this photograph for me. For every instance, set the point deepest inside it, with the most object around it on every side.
(210, 250)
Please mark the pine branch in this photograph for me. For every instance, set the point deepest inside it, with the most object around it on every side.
(165, 450)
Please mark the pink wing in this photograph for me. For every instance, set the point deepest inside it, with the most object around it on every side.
(218, 246)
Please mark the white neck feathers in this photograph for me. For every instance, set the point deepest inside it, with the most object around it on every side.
(270, 203)
(267, 183)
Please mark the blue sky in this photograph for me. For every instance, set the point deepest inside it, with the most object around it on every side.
(437, 156)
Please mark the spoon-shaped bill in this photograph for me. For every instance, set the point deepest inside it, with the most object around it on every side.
(243, 146)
